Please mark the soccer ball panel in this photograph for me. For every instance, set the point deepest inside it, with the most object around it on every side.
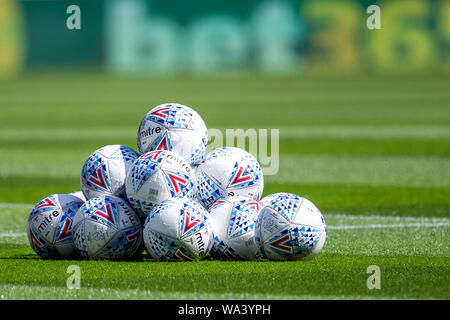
(148, 193)
(199, 243)
(79, 236)
(287, 207)
(267, 199)
(164, 248)
(208, 190)
(229, 171)
(309, 215)
(128, 218)
(46, 223)
(178, 230)
(270, 222)
(149, 132)
(253, 192)
(79, 195)
(118, 179)
(124, 244)
(315, 250)
(174, 162)
(39, 245)
(159, 216)
(233, 221)
(104, 171)
(107, 228)
(188, 143)
(290, 228)
(294, 243)
(158, 176)
(97, 235)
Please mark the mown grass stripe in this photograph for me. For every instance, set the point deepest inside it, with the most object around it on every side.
(350, 131)
(13, 291)
(330, 227)
(432, 171)
(410, 171)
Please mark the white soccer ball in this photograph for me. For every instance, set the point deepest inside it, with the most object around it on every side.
(233, 221)
(290, 227)
(226, 172)
(174, 127)
(106, 227)
(49, 226)
(157, 176)
(104, 171)
(178, 230)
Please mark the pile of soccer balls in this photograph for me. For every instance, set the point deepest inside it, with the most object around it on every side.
(176, 201)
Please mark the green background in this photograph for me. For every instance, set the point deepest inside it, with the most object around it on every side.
(364, 122)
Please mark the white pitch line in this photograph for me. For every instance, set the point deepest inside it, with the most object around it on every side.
(377, 217)
(10, 205)
(12, 235)
(342, 227)
(433, 221)
(383, 226)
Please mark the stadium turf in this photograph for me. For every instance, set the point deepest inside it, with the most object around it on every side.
(371, 152)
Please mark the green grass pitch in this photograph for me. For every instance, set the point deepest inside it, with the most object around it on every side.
(373, 153)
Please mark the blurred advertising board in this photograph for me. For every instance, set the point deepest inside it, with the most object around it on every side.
(156, 37)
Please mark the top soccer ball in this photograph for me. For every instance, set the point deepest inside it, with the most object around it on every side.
(290, 227)
(104, 171)
(174, 127)
(228, 171)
